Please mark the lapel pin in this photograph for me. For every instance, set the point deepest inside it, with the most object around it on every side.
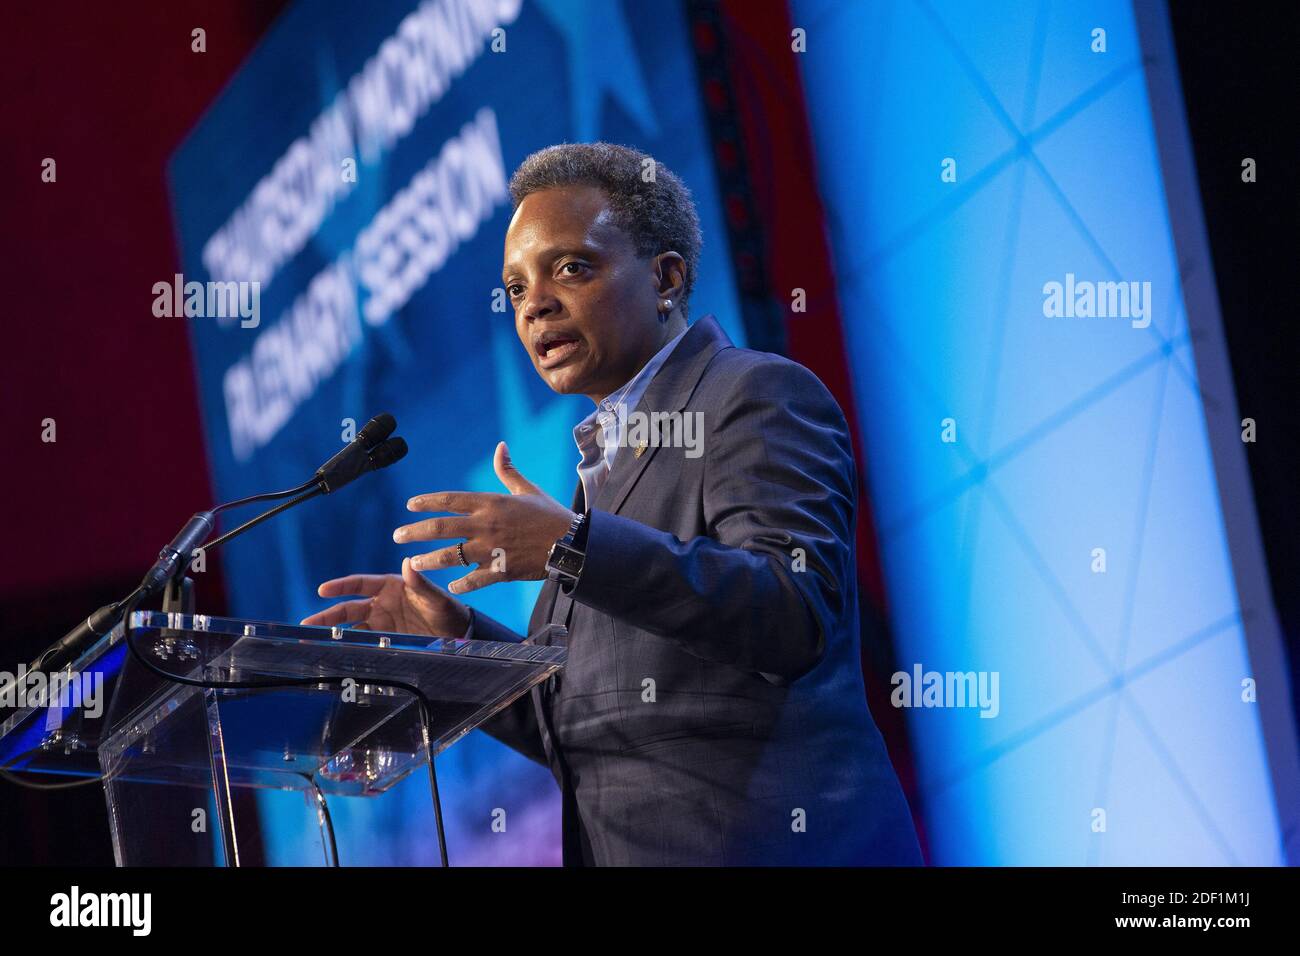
(640, 449)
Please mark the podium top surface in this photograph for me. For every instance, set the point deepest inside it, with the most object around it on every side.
(58, 723)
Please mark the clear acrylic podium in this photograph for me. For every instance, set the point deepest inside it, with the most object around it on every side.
(182, 765)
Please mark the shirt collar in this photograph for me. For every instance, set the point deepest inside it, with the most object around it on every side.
(623, 399)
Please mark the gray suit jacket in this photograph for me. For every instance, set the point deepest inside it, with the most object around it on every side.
(712, 710)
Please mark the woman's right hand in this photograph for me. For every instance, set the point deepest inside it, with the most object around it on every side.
(403, 603)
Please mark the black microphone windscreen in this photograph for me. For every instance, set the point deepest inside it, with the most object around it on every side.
(388, 453)
(376, 430)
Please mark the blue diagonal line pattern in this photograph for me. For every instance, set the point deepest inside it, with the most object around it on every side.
(980, 469)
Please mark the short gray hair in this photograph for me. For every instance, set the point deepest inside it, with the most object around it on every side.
(659, 214)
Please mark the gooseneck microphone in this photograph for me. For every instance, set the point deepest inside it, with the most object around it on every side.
(371, 450)
(176, 554)
(353, 461)
(381, 456)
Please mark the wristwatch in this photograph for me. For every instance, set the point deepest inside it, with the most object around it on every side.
(564, 562)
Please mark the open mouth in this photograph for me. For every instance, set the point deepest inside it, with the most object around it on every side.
(555, 348)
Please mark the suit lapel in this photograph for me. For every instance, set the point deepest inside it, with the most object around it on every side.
(669, 391)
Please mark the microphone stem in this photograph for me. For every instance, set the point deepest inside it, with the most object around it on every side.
(267, 496)
(103, 620)
(265, 515)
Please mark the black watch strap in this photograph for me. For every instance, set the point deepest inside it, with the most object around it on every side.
(565, 561)
(578, 531)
